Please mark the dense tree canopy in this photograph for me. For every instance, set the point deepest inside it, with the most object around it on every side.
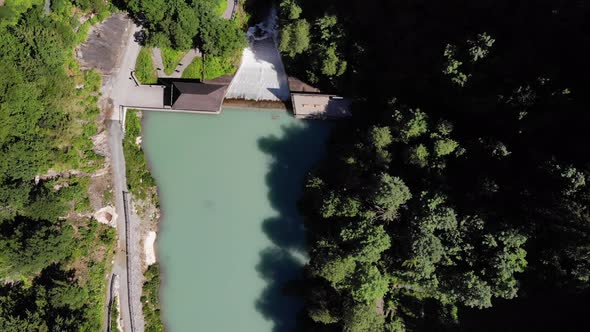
(51, 267)
(461, 184)
(184, 24)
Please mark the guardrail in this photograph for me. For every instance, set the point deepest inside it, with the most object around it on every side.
(110, 304)
(234, 10)
(126, 213)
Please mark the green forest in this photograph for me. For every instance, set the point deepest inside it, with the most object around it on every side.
(179, 25)
(52, 254)
(457, 199)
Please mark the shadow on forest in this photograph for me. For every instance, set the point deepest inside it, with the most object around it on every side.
(293, 155)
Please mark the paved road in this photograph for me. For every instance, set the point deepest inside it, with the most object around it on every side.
(118, 170)
(229, 9)
(128, 258)
(118, 88)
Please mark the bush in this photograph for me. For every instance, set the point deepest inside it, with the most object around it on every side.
(171, 58)
(144, 67)
(93, 80)
(194, 70)
(150, 301)
(139, 179)
(221, 6)
(214, 67)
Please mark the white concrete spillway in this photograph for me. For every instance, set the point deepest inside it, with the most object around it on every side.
(261, 75)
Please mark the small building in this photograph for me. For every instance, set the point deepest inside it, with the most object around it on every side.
(197, 97)
(320, 106)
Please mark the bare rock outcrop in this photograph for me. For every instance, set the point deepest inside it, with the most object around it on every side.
(107, 215)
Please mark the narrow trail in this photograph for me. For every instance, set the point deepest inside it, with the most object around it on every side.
(158, 62)
(186, 60)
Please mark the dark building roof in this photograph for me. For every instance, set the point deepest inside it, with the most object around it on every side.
(297, 85)
(196, 96)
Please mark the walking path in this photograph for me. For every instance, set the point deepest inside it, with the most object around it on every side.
(186, 60)
(229, 9)
(158, 61)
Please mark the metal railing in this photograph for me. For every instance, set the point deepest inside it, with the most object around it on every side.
(234, 10)
(110, 304)
(126, 213)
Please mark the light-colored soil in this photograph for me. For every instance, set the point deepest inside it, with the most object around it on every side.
(149, 249)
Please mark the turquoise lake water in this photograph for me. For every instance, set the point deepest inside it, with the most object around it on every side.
(230, 236)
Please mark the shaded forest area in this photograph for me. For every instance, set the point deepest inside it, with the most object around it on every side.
(53, 256)
(458, 197)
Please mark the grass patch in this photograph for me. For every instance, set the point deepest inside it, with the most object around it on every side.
(139, 179)
(114, 314)
(214, 67)
(94, 250)
(242, 17)
(171, 58)
(194, 70)
(144, 67)
(221, 6)
(150, 301)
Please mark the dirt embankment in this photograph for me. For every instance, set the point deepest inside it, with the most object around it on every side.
(104, 45)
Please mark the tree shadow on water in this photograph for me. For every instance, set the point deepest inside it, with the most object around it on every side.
(292, 156)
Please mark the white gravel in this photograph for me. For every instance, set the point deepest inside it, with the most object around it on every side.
(148, 248)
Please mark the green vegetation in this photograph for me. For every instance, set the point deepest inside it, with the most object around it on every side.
(150, 300)
(52, 258)
(114, 313)
(214, 67)
(221, 6)
(139, 179)
(194, 70)
(182, 25)
(12, 9)
(171, 58)
(145, 72)
(457, 199)
(294, 37)
(313, 49)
